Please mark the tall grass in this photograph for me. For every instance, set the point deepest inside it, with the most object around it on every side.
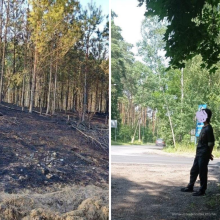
(188, 148)
(181, 148)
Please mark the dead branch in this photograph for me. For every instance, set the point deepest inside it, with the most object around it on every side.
(81, 157)
(103, 146)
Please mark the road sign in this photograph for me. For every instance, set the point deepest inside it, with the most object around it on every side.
(113, 123)
(199, 125)
(202, 107)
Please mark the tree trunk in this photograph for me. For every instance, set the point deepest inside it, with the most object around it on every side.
(84, 98)
(101, 97)
(155, 122)
(182, 96)
(49, 90)
(54, 91)
(4, 54)
(23, 80)
(1, 26)
(171, 127)
(96, 97)
(67, 96)
(61, 97)
(90, 109)
(23, 92)
(33, 81)
(182, 87)
(139, 130)
(132, 140)
(107, 103)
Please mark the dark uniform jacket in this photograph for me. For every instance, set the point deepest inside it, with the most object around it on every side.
(206, 136)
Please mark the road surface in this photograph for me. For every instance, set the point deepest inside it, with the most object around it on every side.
(149, 154)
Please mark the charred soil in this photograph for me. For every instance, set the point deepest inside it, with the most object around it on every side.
(43, 158)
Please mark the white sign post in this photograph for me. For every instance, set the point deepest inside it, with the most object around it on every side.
(192, 138)
(193, 132)
(114, 125)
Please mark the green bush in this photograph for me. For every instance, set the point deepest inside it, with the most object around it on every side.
(186, 140)
(137, 142)
(148, 135)
(125, 133)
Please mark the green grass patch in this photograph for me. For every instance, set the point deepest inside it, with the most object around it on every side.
(216, 153)
(118, 143)
(180, 148)
(212, 202)
(129, 143)
(190, 148)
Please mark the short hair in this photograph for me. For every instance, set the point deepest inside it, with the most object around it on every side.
(209, 113)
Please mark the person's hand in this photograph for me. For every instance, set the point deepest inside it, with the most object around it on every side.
(211, 157)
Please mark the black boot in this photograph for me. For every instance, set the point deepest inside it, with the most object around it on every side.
(199, 193)
(187, 189)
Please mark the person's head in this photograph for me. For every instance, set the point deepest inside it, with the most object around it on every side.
(209, 113)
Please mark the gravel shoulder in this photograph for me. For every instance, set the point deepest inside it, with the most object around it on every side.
(152, 192)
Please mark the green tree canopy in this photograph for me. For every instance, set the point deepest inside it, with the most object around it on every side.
(194, 28)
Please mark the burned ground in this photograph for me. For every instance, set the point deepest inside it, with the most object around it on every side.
(40, 153)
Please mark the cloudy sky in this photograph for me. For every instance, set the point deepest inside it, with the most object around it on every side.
(129, 19)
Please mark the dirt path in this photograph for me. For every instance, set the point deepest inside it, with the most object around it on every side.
(38, 159)
(152, 192)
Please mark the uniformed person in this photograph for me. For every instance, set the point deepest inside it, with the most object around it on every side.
(203, 155)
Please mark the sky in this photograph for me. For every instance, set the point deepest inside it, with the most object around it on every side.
(103, 3)
(129, 19)
(104, 6)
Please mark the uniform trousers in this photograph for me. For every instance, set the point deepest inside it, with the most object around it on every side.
(200, 167)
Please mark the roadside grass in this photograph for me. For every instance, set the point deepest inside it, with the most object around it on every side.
(117, 143)
(188, 148)
(180, 148)
(126, 143)
(216, 153)
(129, 143)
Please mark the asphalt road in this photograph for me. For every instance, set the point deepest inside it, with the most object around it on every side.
(146, 154)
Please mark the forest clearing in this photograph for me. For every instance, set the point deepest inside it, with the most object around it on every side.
(49, 170)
